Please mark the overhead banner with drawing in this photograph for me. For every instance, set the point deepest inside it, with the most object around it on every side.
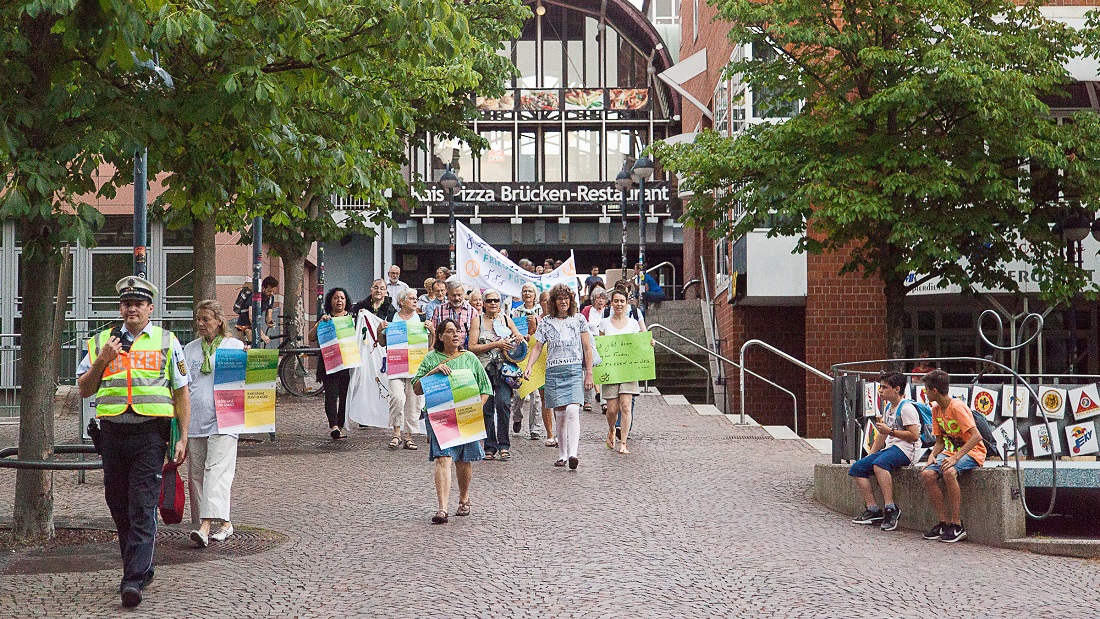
(481, 265)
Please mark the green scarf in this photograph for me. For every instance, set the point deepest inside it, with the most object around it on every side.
(208, 349)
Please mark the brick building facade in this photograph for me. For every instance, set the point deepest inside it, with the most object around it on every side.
(839, 318)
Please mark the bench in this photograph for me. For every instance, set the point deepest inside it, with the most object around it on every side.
(991, 509)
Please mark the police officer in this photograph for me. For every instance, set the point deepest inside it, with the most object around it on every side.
(138, 375)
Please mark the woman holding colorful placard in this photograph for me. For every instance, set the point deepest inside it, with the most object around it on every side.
(569, 357)
(593, 313)
(404, 405)
(448, 355)
(530, 308)
(336, 383)
(212, 460)
(620, 396)
(491, 334)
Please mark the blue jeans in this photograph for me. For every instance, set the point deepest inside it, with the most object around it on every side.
(888, 459)
(966, 463)
(132, 462)
(498, 412)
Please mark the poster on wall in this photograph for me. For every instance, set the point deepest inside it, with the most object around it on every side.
(504, 103)
(1045, 440)
(1052, 400)
(539, 100)
(628, 99)
(584, 99)
(1007, 439)
(1015, 401)
(1084, 402)
(959, 393)
(872, 405)
(983, 399)
(1081, 438)
(920, 394)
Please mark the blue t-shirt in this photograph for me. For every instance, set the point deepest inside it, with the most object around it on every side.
(651, 284)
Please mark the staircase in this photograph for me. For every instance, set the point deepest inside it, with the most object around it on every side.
(674, 375)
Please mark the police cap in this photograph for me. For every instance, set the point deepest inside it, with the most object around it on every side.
(135, 288)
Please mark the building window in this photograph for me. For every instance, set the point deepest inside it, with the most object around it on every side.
(695, 20)
(496, 161)
(551, 149)
(583, 155)
(455, 153)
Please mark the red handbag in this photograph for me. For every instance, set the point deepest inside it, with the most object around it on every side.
(171, 494)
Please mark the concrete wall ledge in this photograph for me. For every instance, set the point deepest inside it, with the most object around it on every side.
(990, 513)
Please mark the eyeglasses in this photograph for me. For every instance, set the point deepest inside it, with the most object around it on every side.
(492, 300)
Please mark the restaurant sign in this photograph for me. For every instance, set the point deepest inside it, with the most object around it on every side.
(595, 192)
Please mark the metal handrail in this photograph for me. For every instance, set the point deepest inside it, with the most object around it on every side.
(783, 355)
(689, 360)
(733, 363)
(52, 465)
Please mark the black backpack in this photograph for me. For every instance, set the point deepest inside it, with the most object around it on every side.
(987, 433)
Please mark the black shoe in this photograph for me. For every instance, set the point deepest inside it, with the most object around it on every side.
(890, 519)
(131, 596)
(937, 531)
(869, 517)
(953, 533)
(516, 426)
(573, 462)
(618, 434)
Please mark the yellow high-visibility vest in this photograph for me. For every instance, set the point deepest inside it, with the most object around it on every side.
(136, 379)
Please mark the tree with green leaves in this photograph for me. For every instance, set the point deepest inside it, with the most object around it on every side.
(273, 121)
(72, 99)
(924, 144)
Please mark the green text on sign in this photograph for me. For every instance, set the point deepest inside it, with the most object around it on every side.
(624, 358)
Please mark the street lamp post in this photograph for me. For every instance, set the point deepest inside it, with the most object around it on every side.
(1075, 227)
(623, 181)
(451, 182)
(642, 170)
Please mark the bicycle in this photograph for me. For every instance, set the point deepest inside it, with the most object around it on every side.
(298, 365)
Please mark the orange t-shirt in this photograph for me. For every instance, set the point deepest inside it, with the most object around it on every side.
(954, 426)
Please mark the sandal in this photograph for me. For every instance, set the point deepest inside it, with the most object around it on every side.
(559, 463)
(334, 433)
(440, 517)
(409, 444)
(395, 442)
(490, 456)
(504, 454)
(610, 442)
(463, 508)
(551, 442)
(588, 408)
(623, 449)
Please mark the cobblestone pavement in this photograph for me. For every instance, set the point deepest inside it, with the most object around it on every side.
(703, 519)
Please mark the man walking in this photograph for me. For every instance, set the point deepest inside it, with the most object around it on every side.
(139, 377)
(394, 286)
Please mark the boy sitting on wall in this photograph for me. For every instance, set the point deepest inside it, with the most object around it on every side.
(895, 446)
(958, 449)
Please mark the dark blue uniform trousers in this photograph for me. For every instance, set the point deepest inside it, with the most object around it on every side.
(133, 457)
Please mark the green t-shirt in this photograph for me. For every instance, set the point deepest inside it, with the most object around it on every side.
(466, 361)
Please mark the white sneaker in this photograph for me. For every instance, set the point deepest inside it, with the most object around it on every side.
(222, 533)
(200, 538)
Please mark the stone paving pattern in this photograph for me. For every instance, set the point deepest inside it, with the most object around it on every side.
(703, 519)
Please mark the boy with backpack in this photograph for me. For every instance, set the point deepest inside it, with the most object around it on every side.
(895, 446)
(958, 449)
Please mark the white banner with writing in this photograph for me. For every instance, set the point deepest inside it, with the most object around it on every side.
(481, 265)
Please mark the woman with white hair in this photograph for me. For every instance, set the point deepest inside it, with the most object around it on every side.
(212, 456)
(530, 307)
(404, 404)
(491, 335)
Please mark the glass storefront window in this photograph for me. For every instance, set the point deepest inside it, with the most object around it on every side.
(551, 63)
(179, 281)
(107, 269)
(69, 284)
(575, 65)
(583, 155)
(118, 231)
(592, 52)
(551, 152)
(496, 161)
(525, 63)
(527, 159)
(621, 149)
(454, 152)
(611, 71)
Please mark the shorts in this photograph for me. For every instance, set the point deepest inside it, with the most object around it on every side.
(966, 463)
(888, 459)
(610, 392)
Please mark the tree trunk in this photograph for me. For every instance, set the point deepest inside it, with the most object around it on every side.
(294, 269)
(204, 234)
(894, 290)
(38, 368)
